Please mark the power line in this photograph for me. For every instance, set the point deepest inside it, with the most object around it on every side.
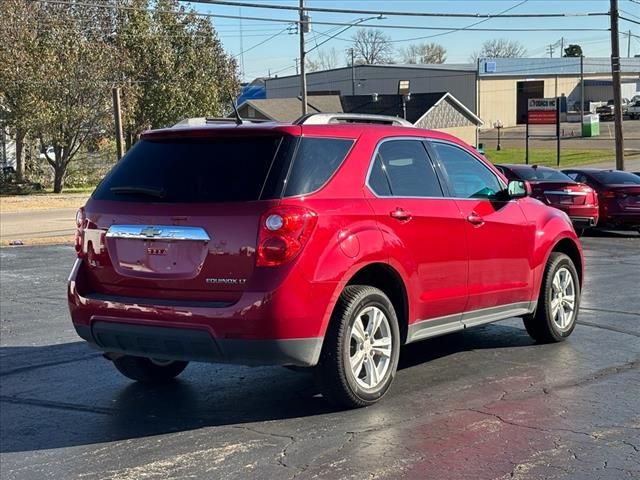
(630, 14)
(396, 13)
(468, 27)
(628, 20)
(262, 42)
(339, 24)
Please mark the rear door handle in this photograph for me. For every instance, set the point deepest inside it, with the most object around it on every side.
(475, 219)
(400, 214)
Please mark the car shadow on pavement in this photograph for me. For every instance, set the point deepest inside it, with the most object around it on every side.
(67, 395)
(600, 233)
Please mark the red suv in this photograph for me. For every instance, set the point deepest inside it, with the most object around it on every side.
(328, 243)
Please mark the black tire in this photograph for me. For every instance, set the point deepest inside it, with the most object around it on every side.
(542, 326)
(334, 374)
(146, 370)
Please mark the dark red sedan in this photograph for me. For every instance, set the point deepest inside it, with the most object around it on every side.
(618, 194)
(558, 190)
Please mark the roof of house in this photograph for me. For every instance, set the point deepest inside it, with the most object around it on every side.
(289, 109)
(420, 104)
(417, 107)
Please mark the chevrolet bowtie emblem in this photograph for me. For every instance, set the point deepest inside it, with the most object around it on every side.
(150, 232)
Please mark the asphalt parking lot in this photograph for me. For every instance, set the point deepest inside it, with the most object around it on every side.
(482, 404)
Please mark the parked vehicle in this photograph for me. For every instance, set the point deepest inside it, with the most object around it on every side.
(324, 243)
(556, 189)
(607, 111)
(618, 195)
(634, 110)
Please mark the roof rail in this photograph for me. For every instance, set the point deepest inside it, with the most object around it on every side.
(327, 118)
(195, 121)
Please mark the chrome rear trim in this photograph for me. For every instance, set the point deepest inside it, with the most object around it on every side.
(560, 192)
(158, 232)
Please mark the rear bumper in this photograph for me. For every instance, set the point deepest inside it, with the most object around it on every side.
(197, 345)
(621, 219)
(584, 221)
(284, 326)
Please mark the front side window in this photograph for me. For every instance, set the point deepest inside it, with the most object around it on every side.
(468, 176)
(402, 169)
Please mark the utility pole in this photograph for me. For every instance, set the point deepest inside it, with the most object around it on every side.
(581, 94)
(629, 44)
(353, 72)
(617, 94)
(303, 77)
(117, 116)
(241, 46)
(296, 60)
(551, 49)
(561, 46)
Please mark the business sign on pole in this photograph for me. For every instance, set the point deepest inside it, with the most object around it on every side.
(542, 111)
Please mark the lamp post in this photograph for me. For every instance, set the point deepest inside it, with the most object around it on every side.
(405, 95)
(498, 125)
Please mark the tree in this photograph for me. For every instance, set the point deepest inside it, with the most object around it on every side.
(60, 61)
(76, 91)
(173, 66)
(324, 60)
(500, 48)
(20, 73)
(424, 53)
(371, 47)
(573, 50)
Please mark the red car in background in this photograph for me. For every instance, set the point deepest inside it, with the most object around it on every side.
(618, 195)
(558, 190)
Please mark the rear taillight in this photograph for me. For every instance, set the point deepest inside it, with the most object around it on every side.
(283, 233)
(612, 194)
(81, 220)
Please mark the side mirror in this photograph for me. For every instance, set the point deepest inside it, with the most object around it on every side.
(518, 189)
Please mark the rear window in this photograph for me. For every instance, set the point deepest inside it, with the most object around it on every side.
(541, 174)
(196, 170)
(616, 178)
(203, 170)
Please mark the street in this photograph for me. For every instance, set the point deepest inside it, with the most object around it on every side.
(486, 403)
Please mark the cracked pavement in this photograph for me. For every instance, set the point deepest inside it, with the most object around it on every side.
(487, 403)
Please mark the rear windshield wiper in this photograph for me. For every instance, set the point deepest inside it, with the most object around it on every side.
(137, 190)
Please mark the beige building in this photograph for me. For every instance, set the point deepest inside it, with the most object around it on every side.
(505, 85)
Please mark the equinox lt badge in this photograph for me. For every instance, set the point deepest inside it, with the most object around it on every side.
(226, 281)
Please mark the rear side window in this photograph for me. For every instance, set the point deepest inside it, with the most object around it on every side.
(316, 161)
(192, 170)
(403, 169)
(544, 174)
(616, 177)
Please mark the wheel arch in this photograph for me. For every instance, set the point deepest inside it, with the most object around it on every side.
(571, 249)
(384, 277)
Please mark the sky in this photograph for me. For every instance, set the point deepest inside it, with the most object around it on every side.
(263, 54)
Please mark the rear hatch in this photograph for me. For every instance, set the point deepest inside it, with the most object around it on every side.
(177, 218)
